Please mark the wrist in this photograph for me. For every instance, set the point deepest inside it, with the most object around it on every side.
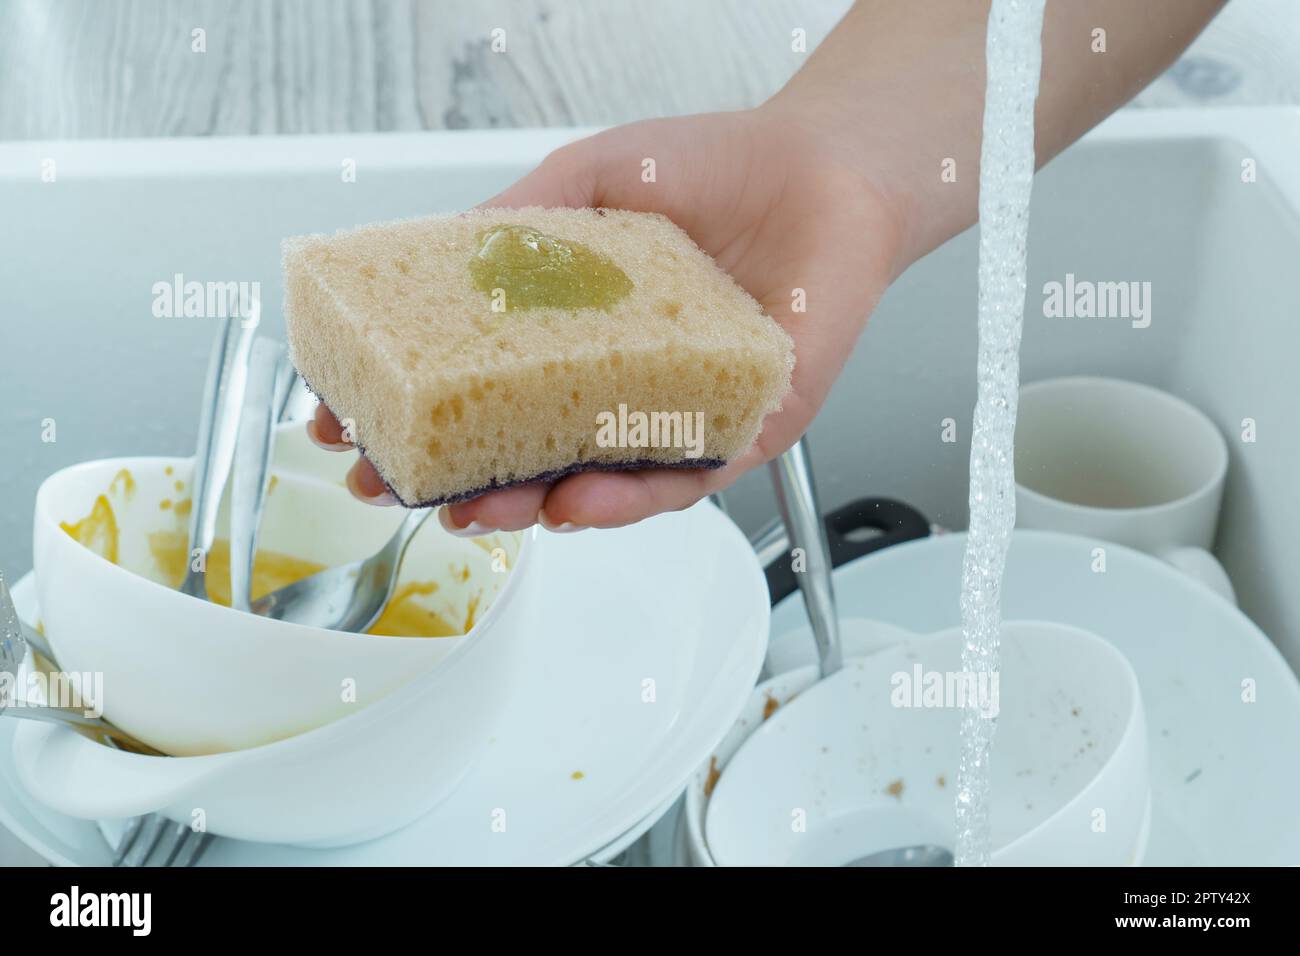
(841, 137)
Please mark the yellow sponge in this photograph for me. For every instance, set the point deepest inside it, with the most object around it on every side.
(505, 346)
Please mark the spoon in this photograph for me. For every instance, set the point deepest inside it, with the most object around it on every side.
(223, 397)
(921, 855)
(350, 597)
(347, 598)
(13, 648)
(792, 478)
(271, 376)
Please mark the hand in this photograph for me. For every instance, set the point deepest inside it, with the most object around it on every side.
(833, 187)
(780, 209)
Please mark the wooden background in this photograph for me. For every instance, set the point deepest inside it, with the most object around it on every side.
(126, 68)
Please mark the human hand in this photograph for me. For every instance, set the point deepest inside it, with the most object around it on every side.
(777, 207)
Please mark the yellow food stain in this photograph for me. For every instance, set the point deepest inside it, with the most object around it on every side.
(126, 481)
(490, 544)
(271, 570)
(270, 485)
(403, 617)
(714, 774)
(895, 790)
(184, 507)
(180, 485)
(470, 611)
(165, 504)
(169, 470)
(577, 775)
(98, 530)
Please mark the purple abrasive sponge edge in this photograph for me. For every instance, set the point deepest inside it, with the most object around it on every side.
(640, 464)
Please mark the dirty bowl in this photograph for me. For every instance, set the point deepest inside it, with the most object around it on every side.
(191, 677)
(867, 760)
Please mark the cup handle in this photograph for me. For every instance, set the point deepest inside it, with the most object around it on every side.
(1204, 567)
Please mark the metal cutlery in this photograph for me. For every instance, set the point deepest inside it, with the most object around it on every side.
(793, 480)
(154, 840)
(13, 649)
(271, 377)
(183, 845)
(350, 597)
(922, 855)
(223, 397)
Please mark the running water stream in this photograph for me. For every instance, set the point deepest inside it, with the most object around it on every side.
(1013, 53)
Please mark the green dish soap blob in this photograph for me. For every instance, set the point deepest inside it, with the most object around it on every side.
(537, 271)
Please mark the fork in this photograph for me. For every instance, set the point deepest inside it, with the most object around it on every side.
(162, 841)
(185, 845)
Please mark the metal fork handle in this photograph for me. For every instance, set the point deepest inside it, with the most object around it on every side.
(387, 563)
(223, 398)
(37, 642)
(401, 539)
(792, 478)
(270, 378)
(58, 715)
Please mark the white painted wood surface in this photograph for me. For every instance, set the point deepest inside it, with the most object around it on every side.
(115, 68)
(127, 68)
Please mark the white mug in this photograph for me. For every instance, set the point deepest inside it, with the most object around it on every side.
(1124, 462)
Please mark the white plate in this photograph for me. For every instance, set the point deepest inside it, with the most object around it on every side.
(1224, 773)
(678, 601)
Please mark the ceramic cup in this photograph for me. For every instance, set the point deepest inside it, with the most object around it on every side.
(1123, 462)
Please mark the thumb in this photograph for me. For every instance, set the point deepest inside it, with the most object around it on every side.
(566, 177)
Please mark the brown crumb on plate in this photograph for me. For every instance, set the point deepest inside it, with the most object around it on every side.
(711, 780)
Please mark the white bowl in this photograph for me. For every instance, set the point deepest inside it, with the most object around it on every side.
(840, 771)
(348, 781)
(191, 677)
(858, 633)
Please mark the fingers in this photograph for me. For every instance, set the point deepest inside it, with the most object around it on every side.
(587, 500)
(362, 480)
(614, 499)
(366, 485)
(325, 431)
(591, 499)
(564, 178)
(510, 509)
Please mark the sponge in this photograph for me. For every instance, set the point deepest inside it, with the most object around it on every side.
(504, 346)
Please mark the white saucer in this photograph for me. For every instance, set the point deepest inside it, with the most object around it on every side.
(1224, 773)
(679, 600)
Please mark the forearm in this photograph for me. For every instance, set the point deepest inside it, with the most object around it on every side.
(897, 89)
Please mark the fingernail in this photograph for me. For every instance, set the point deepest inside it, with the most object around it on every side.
(566, 527)
(382, 499)
(319, 443)
(471, 530)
